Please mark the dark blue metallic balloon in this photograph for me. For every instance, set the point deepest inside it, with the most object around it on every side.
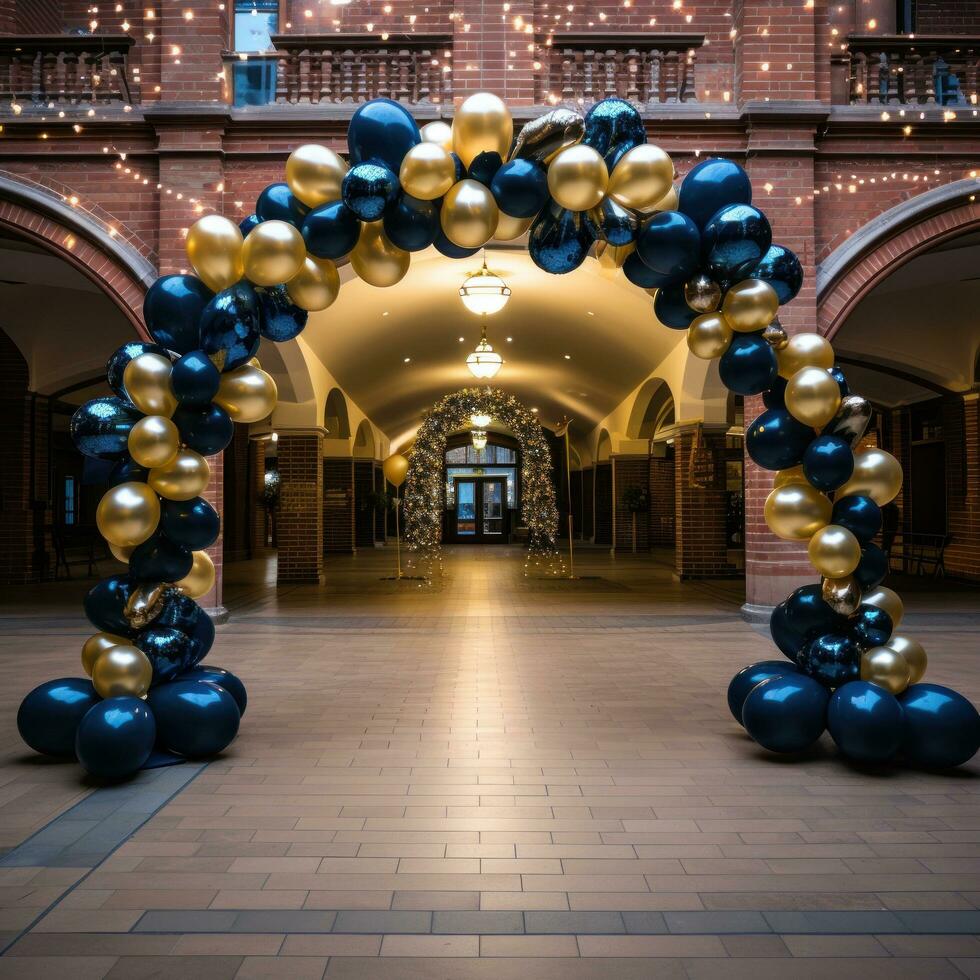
(172, 311)
(451, 249)
(639, 273)
(460, 172)
(206, 430)
(185, 614)
(116, 364)
(612, 128)
(775, 395)
(48, 717)
(828, 463)
(382, 131)
(734, 241)
(749, 366)
(368, 189)
(247, 224)
(669, 243)
(279, 317)
(748, 677)
(194, 718)
(942, 728)
(192, 523)
(776, 440)
(331, 230)
(870, 626)
(802, 617)
(671, 309)
(838, 375)
(195, 379)
(230, 327)
(115, 737)
(611, 222)
(223, 678)
(710, 186)
(278, 203)
(859, 514)
(484, 167)
(168, 650)
(865, 721)
(782, 270)
(412, 224)
(100, 428)
(520, 188)
(786, 713)
(872, 568)
(126, 471)
(105, 604)
(159, 560)
(559, 240)
(833, 659)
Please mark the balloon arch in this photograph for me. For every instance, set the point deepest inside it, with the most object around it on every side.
(571, 183)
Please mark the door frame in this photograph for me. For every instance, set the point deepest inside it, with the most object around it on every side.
(479, 537)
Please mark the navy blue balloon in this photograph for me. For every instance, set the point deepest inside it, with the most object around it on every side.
(279, 317)
(382, 130)
(639, 273)
(451, 249)
(412, 224)
(116, 364)
(247, 224)
(775, 395)
(100, 428)
(559, 240)
(520, 188)
(872, 568)
(710, 186)
(206, 430)
(278, 203)
(484, 167)
(368, 189)
(612, 128)
(859, 514)
(331, 230)
(833, 659)
(671, 309)
(185, 614)
(223, 678)
(159, 560)
(172, 311)
(802, 617)
(748, 677)
(870, 626)
(734, 241)
(105, 604)
(942, 728)
(230, 327)
(460, 169)
(776, 440)
(865, 721)
(48, 717)
(127, 471)
(786, 713)
(838, 375)
(669, 243)
(195, 718)
(192, 523)
(828, 463)
(115, 737)
(749, 366)
(168, 650)
(782, 270)
(195, 379)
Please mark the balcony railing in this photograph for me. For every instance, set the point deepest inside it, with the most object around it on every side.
(67, 69)
(649, 69)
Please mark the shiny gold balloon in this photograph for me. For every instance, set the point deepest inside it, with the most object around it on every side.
(877, 474)
(153, 441)
(469, 214)
(886, 668)
(128, 514)
(668, 202)
(702, 294)
(750, 305)
(273, 253)
(793, 474)
(214, 249)
(843, 595)
(641, 178)
(183, 478)
(804, 350)
(884, 598)
(122, 671)
(247, 394)
(709, 335)
(577, 178)
(395, 469)
(199, 581)
(913, 654)
(482, 125)
(440, 133)
(427, 171)
(122, 553)
(510, 228)
(544, 137)
(316, 285)
(314, 174)
(775, 336)
(144, 604)
(375, 260)
(147, 382)
(796, 511)
(612, 257)
(834, 551)
(812, 396)
(96, 645)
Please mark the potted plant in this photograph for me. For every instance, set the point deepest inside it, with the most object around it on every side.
(637, 501)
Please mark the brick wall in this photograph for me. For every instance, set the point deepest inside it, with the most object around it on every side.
(603, 504)
(701, 549)
(338, 505)
(258, 518)
(300, 517)
(631, 473)
(363, 510)
(237, 500)
(588, 503)
(662, 492)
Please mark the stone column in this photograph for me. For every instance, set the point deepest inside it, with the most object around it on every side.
(300, 518)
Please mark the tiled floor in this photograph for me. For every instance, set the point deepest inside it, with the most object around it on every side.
(498, 778)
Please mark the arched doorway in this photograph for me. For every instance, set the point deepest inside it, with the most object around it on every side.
(483, 490)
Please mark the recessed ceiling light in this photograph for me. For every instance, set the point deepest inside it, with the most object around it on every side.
(385, 313)
(461, 339)
(534, 410)
(590, 312)
(568, 357)
(510, 340)
(407, 359)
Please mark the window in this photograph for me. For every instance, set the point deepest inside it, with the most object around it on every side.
(255, 78)
(70, 501)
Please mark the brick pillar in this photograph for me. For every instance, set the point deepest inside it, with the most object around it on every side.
(214, 494)
(236, 499)
(257, 526)
(190, 59)
(961, 431)
(300, 517)
(701, 547)
(662, 480)
(486, 43)
(631, 471)
(338, 505)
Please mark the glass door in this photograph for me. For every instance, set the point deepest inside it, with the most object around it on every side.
(466, 509)
(480, 510)
(492, 496)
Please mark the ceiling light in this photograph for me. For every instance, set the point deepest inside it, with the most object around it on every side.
(479, 439)
(480, 421)
(484, 293)
(534, 410)
(568, 357)
(510, 340)
(407, 359)
(484, 362)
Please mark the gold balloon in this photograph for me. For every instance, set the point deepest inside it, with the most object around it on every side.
(147, 382)
(199, 581)
(122, 671)
(812, 396)
(834, 551)
(912, 652)
(702, 294)
(510, 228)
(96, 645)
(316, 285)
(877, 475)
(122, 553)
(144, 604)
(843, 595)
(273, 253)
(427, 171)
(612, 257)
(793, 474)
(482, 125)
(440, 133)
(214, 249)
(796, 511)
(247, 394)
(577, 178)
(469, 214)
(183, 478)
(642, 177)
(886, 668)
(375, 260)
(708, 336)
(804, 350)
(884, 598)
(395, 469)
(314, 174)
(750, 305)
(128, 514)
(153, 441)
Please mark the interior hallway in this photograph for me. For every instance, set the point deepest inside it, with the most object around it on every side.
(497, 769)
